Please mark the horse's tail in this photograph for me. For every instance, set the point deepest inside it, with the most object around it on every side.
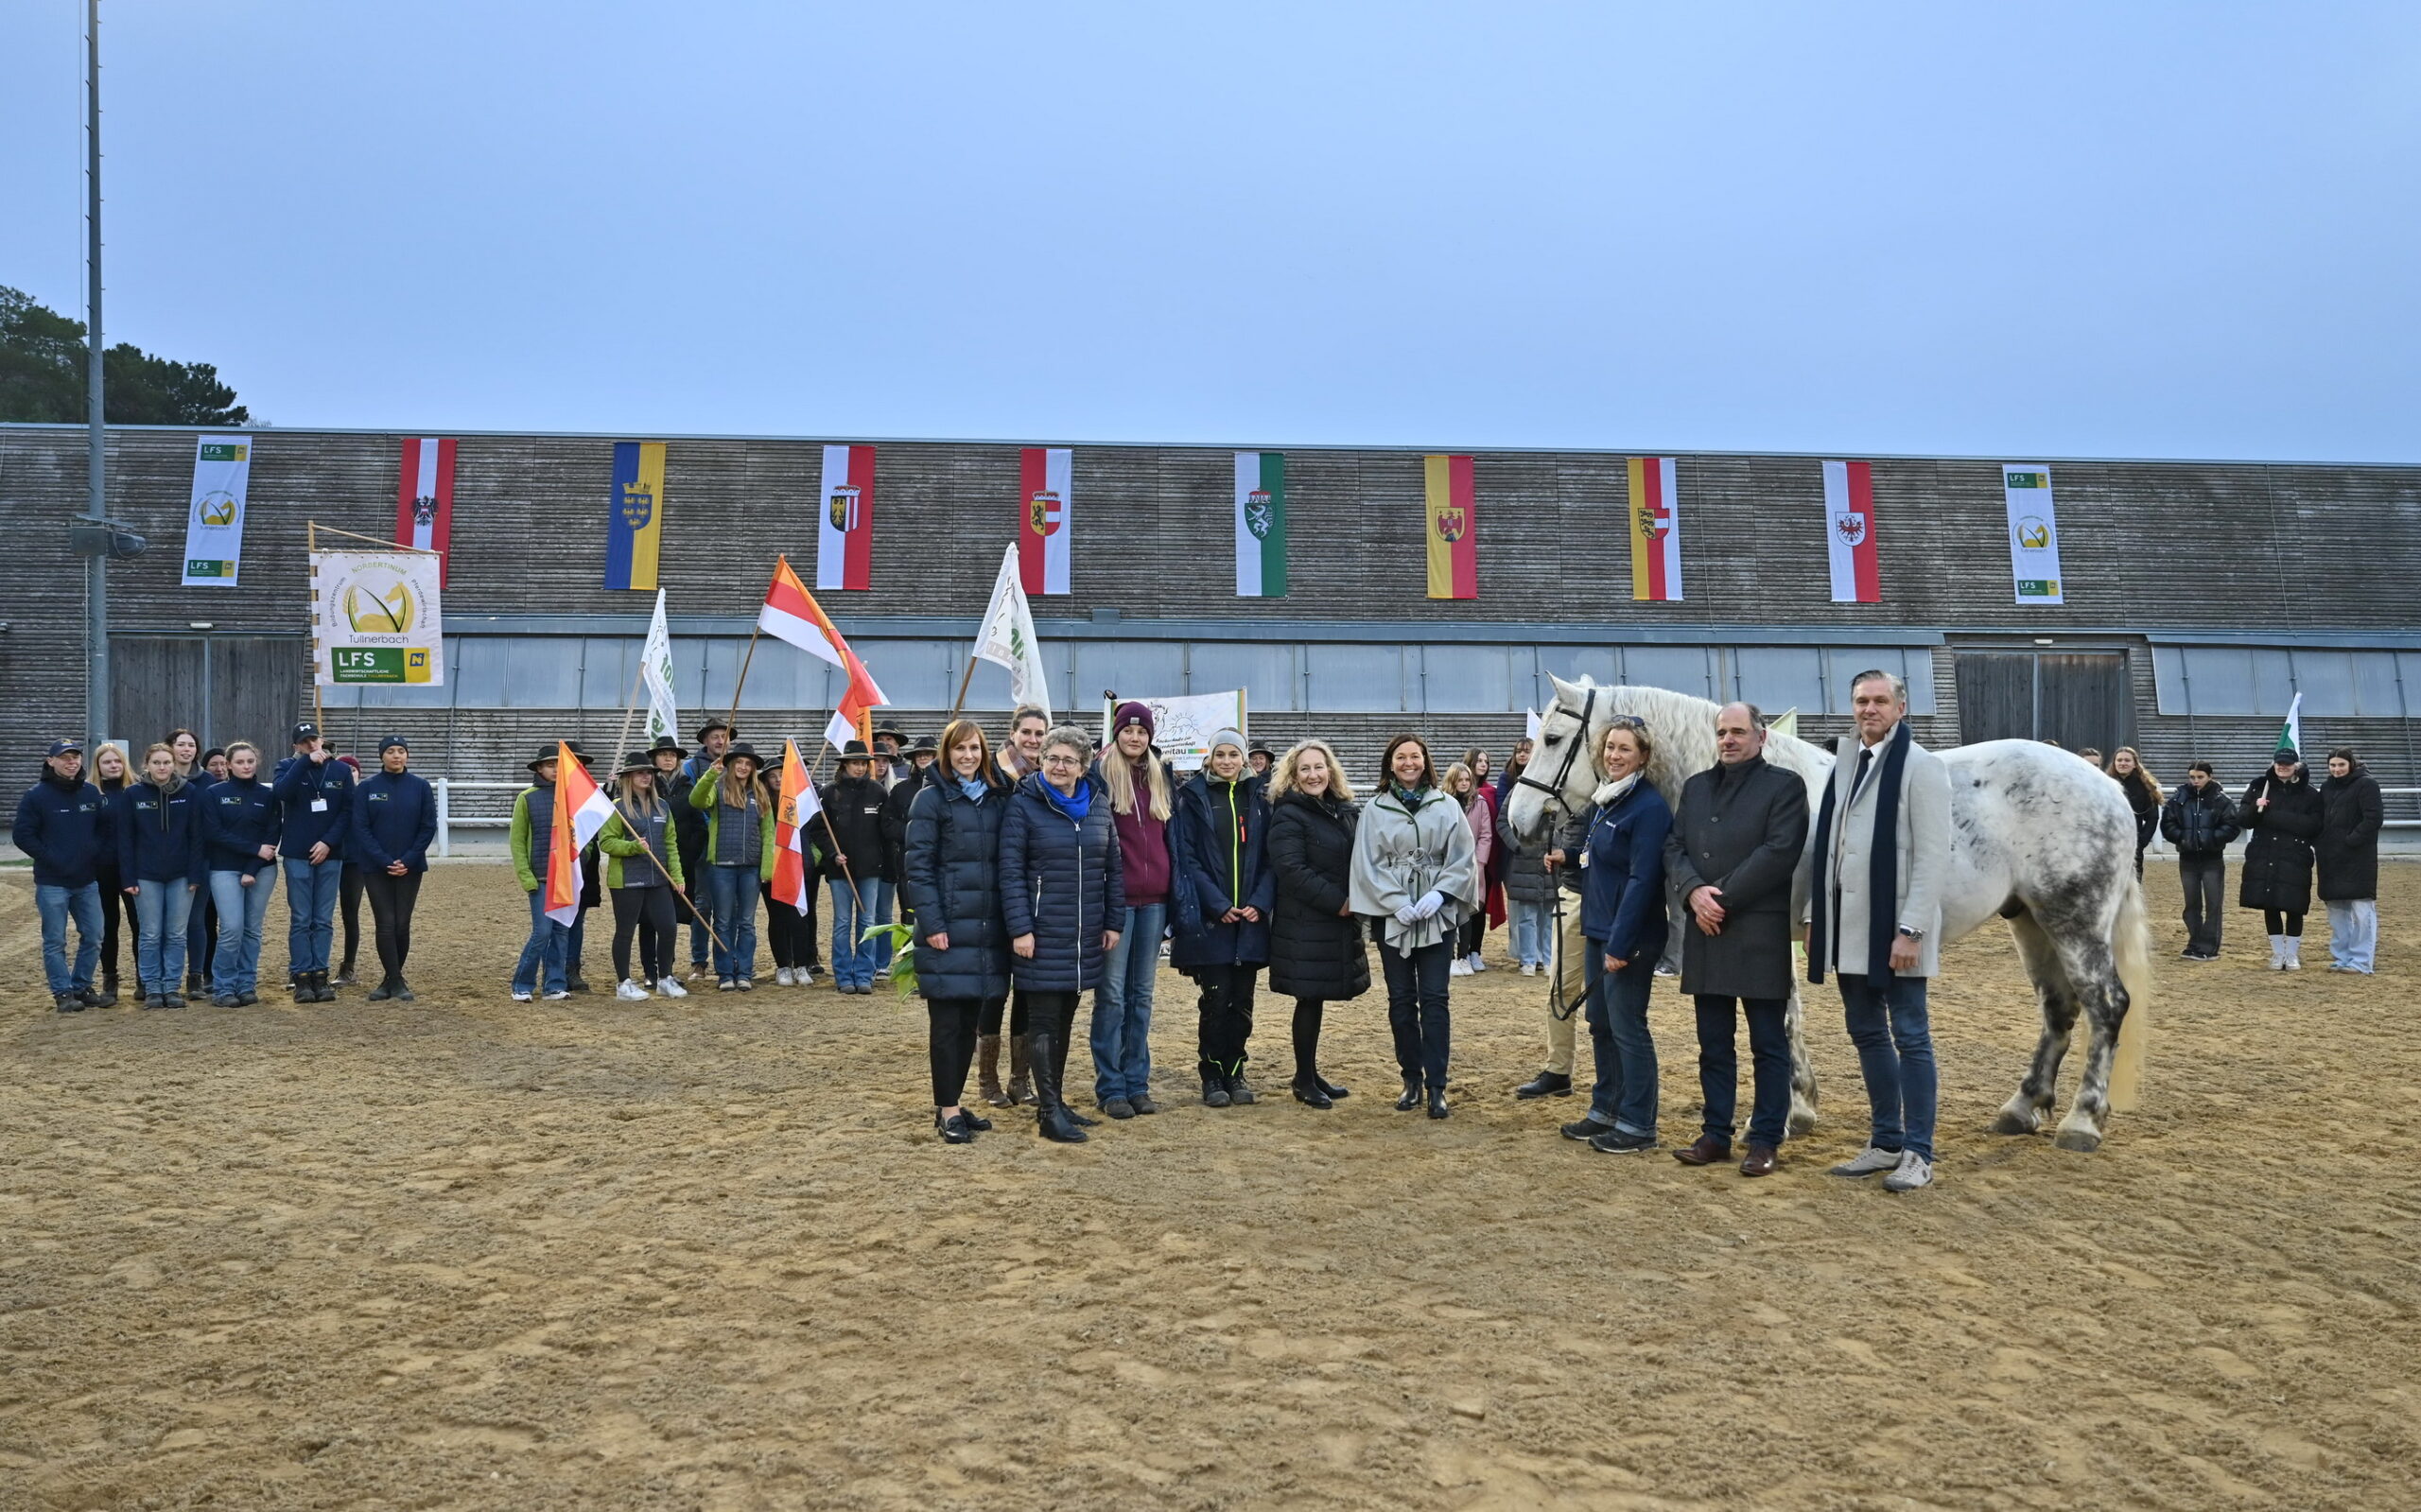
(2130, 941)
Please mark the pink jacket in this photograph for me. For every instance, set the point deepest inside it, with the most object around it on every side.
(1481, 816)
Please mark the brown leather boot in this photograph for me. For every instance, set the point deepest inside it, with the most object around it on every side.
(1021, 1072)
(987, 1069)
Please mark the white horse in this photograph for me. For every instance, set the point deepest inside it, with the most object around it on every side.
(2037, 837)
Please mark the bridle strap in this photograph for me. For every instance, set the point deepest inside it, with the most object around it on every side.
(1563, 773)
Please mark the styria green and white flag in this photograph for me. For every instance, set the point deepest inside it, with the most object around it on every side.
(1261, 525)
(656, 670)
(222, 465)
(2291, 735)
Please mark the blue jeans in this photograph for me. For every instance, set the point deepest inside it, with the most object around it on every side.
(311, 910)
(542, 959)
(734, 890)
(2354, 933)
(162, 910)
(1719, 1067)
(1122, 1036)
(237, 966)
(1887, 1023)
(856, 960)
(57, 905)
(1529, 923)
(1625, 1095)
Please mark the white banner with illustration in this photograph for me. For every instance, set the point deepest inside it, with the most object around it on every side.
(222, 467)
(1183, 725)
(374, 619)
(2033, 532)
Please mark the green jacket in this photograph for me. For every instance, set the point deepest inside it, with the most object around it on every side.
(707, 798)
(520, 836)
(618, 844)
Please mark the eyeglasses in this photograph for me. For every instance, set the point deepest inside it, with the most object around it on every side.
(1063, 761)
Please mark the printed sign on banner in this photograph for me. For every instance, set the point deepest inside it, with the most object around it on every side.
(374, 619)
(1182, 727)
(2033, 532)
(222, 466)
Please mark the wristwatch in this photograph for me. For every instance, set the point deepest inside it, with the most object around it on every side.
(1913, 934)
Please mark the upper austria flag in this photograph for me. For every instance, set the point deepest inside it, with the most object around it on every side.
(793, 878)
(792, 615)
(1043, 522)
(424, 498)
(580, 811)
(1848, 531)
(634, 515)
(845, 524)
(1655, 531)
(1453, 530)
(1261, 525)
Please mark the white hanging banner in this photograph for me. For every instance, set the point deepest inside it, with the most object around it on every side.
(374, 619)
(222, 466)
(1182, 727)
(2033, 532)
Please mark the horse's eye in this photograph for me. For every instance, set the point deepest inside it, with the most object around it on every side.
(1553, 740)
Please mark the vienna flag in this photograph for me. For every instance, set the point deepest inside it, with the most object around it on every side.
(793, 882)
(1655, 531)
(844, 529)
(791, 614)
(1453, 530)
(424, 498)
(1043, 520)
(1261, 525)
(580, 811)
(1848, 531)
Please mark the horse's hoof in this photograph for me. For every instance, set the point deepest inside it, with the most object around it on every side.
(2013, 1121)
(1802, 1121)
(2082, 1140)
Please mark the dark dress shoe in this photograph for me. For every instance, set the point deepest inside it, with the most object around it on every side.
(981, 1125)
(1214, 1092)
(1585, 1130)
(1706, 1152)
(1310, 1094)
(1055, 1125)
(1759, 1161)
(1436, 1102)
(381, 991)
(1547, 1084)
(404, 990)
(1118, 1107)
(1334, 1091)
(1411, 1098)
(1080, 1121)
(953, 1130)
(1143, 1104)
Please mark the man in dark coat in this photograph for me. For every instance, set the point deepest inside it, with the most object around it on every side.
(1734, 851)
(2348, 853)
(2200, 819)
(2282, 812)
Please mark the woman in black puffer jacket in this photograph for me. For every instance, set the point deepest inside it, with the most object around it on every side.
(2282, 812)
(1317, 952)
(1062, 895)
(950, 876)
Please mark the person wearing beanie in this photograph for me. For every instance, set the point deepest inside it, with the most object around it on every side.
(1141, 801)
(315, 794)
(239, 821)
(1221, 892)
(394, 821)
(2283, 812)
(642, 871)
(348, 891)
(59, 828)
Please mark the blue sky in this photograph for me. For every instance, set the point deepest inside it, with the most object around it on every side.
(2037, 231)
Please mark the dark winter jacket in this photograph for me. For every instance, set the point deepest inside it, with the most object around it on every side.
(394, 819)
(1742, 830)
(237, 818)
(1143, 843)
(1061, 882)
(2138, 789)
(160, 836)
(895, 803)
(1218, 860)
(2200, 824)
(688, 824)
(2348, 846)
(1621, 886)
(2277, 859)
(854, 806)
(1315, 950)
(62, 825)
(300, 784)
(951, 879)
(1526, 878)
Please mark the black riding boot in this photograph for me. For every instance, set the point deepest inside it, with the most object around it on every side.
(1051, 1121)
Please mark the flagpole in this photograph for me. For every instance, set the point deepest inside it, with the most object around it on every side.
(632, 712)
(319, 717)
(707, 923)
(968, 676)
(734, 720)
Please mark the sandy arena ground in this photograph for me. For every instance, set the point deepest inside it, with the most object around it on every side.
(707, 1255)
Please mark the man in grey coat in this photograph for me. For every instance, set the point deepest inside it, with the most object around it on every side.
(1733, 852)
(1876, 908)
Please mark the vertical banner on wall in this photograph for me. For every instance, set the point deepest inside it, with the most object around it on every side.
(222, 467)
(1261, 525)
(376, 618)
(1655, 531)
(1045, 526)
(1848, 531)
(634, 515)
(845, 519)
(1449, 507)
(2033, 532)
(425, 497)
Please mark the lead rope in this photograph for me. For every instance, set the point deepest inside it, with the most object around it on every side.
(1556, 1004)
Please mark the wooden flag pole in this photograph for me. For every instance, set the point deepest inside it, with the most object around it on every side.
(631, 712)
(319, 717)
(703, 922)
(968, 676)
(734, 720)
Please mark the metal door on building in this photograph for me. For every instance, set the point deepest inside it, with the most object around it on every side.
(2079, 699)
(222, 688)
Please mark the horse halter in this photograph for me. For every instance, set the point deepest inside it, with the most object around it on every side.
(1571, 753)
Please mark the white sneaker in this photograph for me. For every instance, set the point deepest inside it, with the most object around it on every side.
(2278, 952)
(882, 973)
(557, 997)
(631, 992)
(670, 989)
(2295, 961)
(1915, 1171)
(781, 975)
(1462, 967)
(1868, 1161)
(1529, 968)
(1478, 964)
(518, 996)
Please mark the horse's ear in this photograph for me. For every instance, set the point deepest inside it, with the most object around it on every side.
(1563, 691)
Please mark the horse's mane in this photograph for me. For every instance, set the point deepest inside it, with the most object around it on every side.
(1682, 727)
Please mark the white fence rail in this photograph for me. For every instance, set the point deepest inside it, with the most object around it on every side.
(2413, 794)
(491, 806)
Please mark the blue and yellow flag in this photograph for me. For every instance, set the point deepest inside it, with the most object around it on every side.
(635, 519)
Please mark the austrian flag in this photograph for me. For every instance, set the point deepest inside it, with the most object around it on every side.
(792, 615)
(580, 811)
(424, 498)
(845, 519)
(1848, 531)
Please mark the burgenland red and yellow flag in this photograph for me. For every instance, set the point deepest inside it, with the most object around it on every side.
(1453, 531)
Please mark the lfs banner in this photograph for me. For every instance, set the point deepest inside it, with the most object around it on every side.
(374, 619)
(1183, 725)
(2033, 532)
(222, 466)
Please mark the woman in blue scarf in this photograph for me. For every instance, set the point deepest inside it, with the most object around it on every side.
(1062, 894)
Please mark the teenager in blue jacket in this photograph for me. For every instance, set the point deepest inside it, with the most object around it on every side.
(60, 827)
(160, 861)
(240, 819)
(1221, 890)
(316, 792)
(394, 821)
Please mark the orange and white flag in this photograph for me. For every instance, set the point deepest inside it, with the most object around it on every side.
(580, 811)
(792, 615)
(793, 882)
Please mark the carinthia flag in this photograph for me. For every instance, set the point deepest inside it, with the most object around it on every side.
(1045, 526)
(792, 615)
(845, 519)
(580, 811)
(424, 498)
(1261, 525)
(1453, 528)
(1655, 531)
(794, 877)
(1848, 531)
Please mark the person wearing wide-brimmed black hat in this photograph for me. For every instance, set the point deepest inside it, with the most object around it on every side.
(533, 841)
(790, 930)
(858, 869)
(889, 765)
(922, 768)
(738, 853)
(642, 869)
(714, 737)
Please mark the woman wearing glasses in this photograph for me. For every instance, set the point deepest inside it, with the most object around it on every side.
(1062, 896)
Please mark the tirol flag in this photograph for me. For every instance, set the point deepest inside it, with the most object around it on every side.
(1453, 528)
(1655, 531)
(1261, 525)
(845, 519)
(635, 519)
(794, 876)
(790, 613)
(424, 498)
(1044, 528)
(580, 811)
(1848, 531)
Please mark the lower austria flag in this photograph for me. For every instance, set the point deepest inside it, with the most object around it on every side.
(1045, 518)
(1452, 526)
(1848, 531)
(580, 811)
(794, 880)
(1655, 531)
(845, 527)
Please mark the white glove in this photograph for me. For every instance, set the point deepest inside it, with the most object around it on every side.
(1428, 905)
(1408, 916)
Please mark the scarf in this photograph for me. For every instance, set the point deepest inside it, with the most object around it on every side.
(974, 788)
(1077, 806)
(1883, 888)
(1412, 798)
(1612, 792)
